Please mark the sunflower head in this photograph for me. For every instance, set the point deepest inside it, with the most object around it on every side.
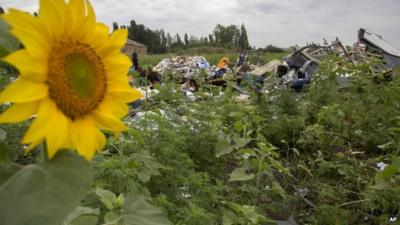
(72, 76)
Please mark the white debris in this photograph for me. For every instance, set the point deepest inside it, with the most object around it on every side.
(381, 165)
(187, 65)
(243, 98)
(148, 93)
(246, 156)
(190, 96)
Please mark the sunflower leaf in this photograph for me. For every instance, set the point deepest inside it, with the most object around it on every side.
(45, 192)
(8, 43)
(240, 174)
(137, 211)
(83, 216)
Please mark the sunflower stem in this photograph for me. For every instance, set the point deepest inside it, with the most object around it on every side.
(43, 152)
(145, 103)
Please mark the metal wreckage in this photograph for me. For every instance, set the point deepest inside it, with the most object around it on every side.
(299, 67)
(295, 70)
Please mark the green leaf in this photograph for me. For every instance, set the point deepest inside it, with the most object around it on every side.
(83, 216)
(385, 146)
(239, 174)
(106, 197)
(113, 218)
(389, 172)
(45, 192)
(277, 165)
(277, 189)
(3, 154)
(7, 171)
(230, 218)
(137, 211)
(223, 148)
(3, 135)
(8, 43)
(144, 175)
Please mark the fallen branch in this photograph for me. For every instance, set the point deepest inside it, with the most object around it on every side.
(353, 202)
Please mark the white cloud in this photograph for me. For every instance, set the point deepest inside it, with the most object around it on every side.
(279, 22)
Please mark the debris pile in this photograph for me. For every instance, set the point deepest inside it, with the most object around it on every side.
(188, 66)
(298, 68)
(295, 70)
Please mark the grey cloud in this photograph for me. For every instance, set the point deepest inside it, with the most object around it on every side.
(279, 22)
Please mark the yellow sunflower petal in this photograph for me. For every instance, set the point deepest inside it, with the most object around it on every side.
(114, 43)
(29, 67)
(116, 81)
(19, 112)
(58, 138)
(107, 121)
(100, 140)
(117, 65)
(29, 30)
(63, 15)
(79, 133)
(90, 12)
(76, 10)
(124, 93)
(114, 106)
(98, 37)
(22, 91)
(43, 121)
(51, 20)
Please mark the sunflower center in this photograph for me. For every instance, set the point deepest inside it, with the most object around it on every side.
(77, 79)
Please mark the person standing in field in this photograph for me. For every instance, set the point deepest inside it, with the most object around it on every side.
(1, 10)
(135, 60)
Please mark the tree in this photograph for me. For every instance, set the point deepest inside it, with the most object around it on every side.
(273, 49)
(243, 40)
(178, 40)
(186, 39)
(226, 36)
(115, 26)
(169, 40)
(211, 39)
(163, 38)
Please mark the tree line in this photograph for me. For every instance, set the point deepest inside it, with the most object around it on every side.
(159, 41)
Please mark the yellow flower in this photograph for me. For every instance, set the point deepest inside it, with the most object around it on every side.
(72, 77)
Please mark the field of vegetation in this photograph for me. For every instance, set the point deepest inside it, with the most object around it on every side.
(328, 154)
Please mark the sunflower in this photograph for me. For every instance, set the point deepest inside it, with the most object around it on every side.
(72, 76)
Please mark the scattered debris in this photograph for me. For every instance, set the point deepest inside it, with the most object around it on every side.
(295, 70)
(299, 67)
(188, 66)
(381, 165)
(393, 219)
(243, 98)
(376, 46)
(290, 221)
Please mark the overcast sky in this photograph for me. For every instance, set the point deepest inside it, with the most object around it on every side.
(278, 22)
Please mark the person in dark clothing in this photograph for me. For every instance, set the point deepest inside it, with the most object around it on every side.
(1, 10)
(149, 75)
(135, 60)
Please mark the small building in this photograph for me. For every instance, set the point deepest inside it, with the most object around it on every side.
(132, 46)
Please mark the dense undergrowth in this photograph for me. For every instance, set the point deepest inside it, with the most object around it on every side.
(310, 155)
